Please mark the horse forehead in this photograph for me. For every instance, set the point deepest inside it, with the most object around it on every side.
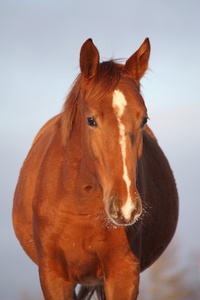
(128, 96)
(116, 101)
(119, 102)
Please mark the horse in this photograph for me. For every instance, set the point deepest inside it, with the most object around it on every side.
(96, 201)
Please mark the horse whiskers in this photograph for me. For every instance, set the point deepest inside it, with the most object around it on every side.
(146, 213)
(100, 213)
(106, 224)
(146, 209)
(105, 220)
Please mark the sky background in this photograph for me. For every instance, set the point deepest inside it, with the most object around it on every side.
(40, 43)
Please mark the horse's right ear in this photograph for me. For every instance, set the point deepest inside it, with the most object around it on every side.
(89, 59)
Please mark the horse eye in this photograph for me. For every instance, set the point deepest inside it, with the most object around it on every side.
(91, 122)
(143, 122)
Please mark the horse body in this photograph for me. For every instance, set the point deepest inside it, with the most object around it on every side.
(96, 202)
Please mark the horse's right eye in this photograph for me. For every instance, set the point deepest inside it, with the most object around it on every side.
(91, 122)
(144, 122)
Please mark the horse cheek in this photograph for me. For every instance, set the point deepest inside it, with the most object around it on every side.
(140, 148)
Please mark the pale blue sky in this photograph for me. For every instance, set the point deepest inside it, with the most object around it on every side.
(39, 57)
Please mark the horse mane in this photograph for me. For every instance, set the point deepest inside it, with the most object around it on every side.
(106, 78)
(69, 109)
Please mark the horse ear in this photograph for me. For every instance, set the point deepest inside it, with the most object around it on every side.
(89, 59)
(137, 64)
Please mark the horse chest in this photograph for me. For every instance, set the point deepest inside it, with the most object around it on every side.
(78, 255)
(85, 253)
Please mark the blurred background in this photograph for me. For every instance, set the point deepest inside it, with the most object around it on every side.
(39, 59)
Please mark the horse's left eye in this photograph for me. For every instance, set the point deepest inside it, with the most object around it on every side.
(143, 122)
(91, 122)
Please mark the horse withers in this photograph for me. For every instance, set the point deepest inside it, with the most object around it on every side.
(96, 201)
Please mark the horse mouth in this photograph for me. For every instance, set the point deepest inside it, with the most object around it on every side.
(117, 217)
(121, 221)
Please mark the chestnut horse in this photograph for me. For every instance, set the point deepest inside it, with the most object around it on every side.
(96, 201)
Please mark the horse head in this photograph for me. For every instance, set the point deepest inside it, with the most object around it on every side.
(113, 116)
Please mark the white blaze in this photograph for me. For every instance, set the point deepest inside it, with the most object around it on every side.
(119, 104)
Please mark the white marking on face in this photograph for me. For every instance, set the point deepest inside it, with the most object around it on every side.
(119, 104)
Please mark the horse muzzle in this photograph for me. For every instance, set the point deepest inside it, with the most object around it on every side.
(124, 214)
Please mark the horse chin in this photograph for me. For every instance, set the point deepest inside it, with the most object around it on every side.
(122, 222)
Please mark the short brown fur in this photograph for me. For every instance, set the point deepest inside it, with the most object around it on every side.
(67, 210)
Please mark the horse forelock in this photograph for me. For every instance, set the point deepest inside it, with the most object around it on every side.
(105, 80)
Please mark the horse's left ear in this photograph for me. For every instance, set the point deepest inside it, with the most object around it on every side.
(89, 59)
(137, 64)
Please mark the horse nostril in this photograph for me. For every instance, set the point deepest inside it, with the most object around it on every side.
(122, 218)
(137, 211)
(113, 208)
